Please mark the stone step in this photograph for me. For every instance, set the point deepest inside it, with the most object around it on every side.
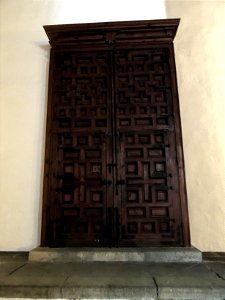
(155, 255)
(112, 281)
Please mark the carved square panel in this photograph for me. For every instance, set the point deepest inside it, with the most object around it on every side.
(82, 140)
(153, 109)
(159, 167)
(132, 110)
(101, 123)
(136, 212)
(83, 111)
(68, 168)
(96, 168)
(132, 168)
(132, 196)
(143, 110)
(159, 97)
(148, 227)
(96, 196)
(97, 140)
(159, 138)
(164, 227)
(68, 197)
(130, 139)
(161, 195)
(82, 123)
(93, 112)
(159, 212)
(132, 227)
(71, 212)
(103, 111)
(134, 153)
(68, 140)
(81, 227)
(156, 152)
(71, 153)
(121, 111)
(124, 122)
(97, 227)
(64, 123)
(101, 100)
(93, 153)
(163, 109)
(93, 212)
(144, 139)
(143, 121)
(162, 121)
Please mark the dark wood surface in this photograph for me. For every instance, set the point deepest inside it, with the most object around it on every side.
(105, 34)
(114, 171)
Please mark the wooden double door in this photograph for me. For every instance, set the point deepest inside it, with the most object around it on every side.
(112, 169)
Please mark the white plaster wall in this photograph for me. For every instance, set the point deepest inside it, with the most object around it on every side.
(24, 54)
(200, 59)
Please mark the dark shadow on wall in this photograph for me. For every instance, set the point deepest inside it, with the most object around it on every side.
(45, 47)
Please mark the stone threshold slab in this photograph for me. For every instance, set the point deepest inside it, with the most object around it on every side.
(155, 255)
(78, 293)
(45, 293)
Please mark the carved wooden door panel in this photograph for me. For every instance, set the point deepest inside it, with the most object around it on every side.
(114, 172)
(81, 149)
(148, 178)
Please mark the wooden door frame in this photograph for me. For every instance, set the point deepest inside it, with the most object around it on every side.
(110, 35)
(179, 150)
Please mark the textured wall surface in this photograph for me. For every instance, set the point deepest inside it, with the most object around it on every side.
(200, 59)
(24, 55)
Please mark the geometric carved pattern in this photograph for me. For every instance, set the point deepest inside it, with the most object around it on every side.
(80, 193)
(147, 193)
(114, 170)
(81, 124)
(143, 87)
(144, 123)
(81, 91)
(87, 128)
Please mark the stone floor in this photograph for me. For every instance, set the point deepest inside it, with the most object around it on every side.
(21, 278)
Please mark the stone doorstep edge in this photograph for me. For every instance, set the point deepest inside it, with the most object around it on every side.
(163, 293)
(161, 256)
